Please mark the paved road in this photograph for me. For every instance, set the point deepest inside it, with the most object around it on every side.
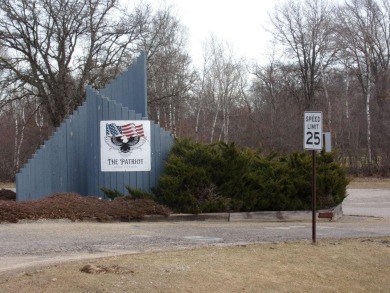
(367, 202)
(44, 242)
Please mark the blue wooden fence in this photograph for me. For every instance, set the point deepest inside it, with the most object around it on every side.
(69, 161)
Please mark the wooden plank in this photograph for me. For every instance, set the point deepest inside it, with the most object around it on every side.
(82, 151)
(119, 183)
(46, 171)
(112, 176)
(105, 180)
(139, 175)
(152, 175)
(139, 80)
(92, 140)
(146, 174)
(70, 156)
(132, 175)
(126, 175)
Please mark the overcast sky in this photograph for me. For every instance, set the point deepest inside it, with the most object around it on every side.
(240, 23)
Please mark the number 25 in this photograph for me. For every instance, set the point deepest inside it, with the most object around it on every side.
(311, 137)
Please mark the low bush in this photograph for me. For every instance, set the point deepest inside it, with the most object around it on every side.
(132, 193)
(220, 177)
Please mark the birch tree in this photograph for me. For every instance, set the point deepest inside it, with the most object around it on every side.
(170, 75)
(222, 79)
(365, 38)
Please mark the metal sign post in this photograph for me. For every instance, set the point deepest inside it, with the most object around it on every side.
(313, 141)
(314, 197)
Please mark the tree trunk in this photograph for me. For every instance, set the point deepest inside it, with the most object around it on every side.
(197, 124)
(214, 122)
(19, 134)
(368, 116)
(324, 86)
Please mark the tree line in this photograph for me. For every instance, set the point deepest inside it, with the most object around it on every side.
(324, 56)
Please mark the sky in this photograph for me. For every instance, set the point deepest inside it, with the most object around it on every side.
(239, 23)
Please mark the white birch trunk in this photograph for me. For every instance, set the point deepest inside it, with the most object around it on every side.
(172, 119)
(227, 127)
(158, 115)
(223, 130)
(347, 118)
(214, 122)
(346, 99)
(197, 124)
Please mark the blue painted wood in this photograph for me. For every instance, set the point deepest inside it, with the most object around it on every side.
(92, 140)
(134, 81)
(105, 182)
(47, 169)
(126, 175)
(133, 176)
(119, 178)
(69, 161)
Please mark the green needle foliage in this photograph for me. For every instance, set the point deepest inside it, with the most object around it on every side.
(132, 193)
(220, 177)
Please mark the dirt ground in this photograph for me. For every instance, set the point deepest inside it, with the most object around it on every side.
(348, 265)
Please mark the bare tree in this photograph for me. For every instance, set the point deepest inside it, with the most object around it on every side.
(365, 41)
(22, 131)
(221, 86)
(170, 76)
(57, 47)
(304, 30)
(276, 94)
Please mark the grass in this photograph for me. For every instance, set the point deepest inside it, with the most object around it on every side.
(352, 265)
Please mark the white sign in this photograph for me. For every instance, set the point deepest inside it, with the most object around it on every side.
(312, 131)
(125, 145)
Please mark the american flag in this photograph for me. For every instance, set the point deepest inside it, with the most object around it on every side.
(130, 130)
(113, 129)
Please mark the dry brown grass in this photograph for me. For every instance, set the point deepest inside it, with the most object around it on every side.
(369, 182)
(358, 265)
(78, 208)
(7, 185)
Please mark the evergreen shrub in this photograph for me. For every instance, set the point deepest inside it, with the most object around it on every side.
(132, 193)
(221, 177)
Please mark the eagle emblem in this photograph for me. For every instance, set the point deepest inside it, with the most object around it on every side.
(124, 138)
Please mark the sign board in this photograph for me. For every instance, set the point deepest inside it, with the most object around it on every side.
(125, 145)
(312, 131)
(327, 142)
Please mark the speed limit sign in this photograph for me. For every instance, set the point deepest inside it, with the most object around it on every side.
(312, 131)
